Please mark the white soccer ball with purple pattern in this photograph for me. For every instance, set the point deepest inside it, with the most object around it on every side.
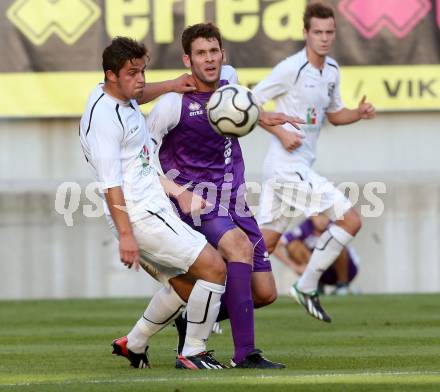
(233, 110)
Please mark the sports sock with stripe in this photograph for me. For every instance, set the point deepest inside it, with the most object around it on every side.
(164, 307)
(328, 247)
(201, 313)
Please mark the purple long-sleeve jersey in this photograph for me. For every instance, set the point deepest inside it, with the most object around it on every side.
(201, 156)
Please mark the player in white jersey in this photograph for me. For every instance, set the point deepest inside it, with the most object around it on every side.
(117, 146)
(307, 85)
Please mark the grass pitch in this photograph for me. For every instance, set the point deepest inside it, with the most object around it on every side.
(376, 343)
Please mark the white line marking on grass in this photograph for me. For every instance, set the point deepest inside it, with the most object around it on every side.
(253, 377)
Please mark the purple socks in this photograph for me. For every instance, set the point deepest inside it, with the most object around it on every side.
(240, 308)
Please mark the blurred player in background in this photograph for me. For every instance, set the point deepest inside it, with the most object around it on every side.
(296, 246)
(197, 155)
(118, 148)
(307, 85)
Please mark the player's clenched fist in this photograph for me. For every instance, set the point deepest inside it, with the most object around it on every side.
(291, 140)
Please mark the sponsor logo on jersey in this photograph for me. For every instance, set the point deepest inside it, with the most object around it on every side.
(228, 150)
(331, 89)
(266, 257)
(194, 108)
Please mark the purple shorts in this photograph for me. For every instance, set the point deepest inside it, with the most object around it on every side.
(214, 227)
(329, 276)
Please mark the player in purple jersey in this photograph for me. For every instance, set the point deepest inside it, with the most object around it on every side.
(296, 246)
(212, 166)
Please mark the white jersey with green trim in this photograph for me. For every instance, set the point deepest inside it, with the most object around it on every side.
(117, 146)
(299, 89)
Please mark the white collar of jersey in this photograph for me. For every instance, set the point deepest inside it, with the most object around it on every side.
(120, 102)
(304, 54)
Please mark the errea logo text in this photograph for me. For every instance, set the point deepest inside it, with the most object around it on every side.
(194, 108)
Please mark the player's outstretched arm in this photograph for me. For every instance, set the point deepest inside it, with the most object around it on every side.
(273, 118)
(182, 84)
(280, 252)
(128, 246)
(189, 202)
(364, 111)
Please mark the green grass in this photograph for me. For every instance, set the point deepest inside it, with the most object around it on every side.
(376, 343)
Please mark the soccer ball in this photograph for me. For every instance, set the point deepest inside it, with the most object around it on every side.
(233, 111)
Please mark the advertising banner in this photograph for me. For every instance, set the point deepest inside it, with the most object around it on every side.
(50, 54)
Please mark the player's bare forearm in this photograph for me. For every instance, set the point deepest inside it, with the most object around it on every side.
(272, 129)
(344, 117)
(274, 118)
(118, 210)
(289, 140)
(153, 90)
(128, 246)
(189, 202)
(281, 254)
(182, 84)
(365, 111)
(171, 188)
(299, 254)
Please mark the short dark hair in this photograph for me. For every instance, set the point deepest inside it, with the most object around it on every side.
(201, 30)
(120, 51)
(317, 10)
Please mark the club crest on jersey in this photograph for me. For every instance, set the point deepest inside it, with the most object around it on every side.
(311, 116)
(194, 108)
(144, 156)
(330, 89)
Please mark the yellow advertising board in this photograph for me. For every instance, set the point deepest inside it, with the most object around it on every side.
(63, 94)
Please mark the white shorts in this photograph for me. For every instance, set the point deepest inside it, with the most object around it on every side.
(288, 195)
(168, 246)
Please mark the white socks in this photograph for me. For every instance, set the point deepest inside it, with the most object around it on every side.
(328, 247)
(164, 307)
(201, 314)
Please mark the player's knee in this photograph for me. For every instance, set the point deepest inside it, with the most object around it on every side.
(245, 249)
(209, 266)
(264, 299)
(240, 248)
(352, 222)
(219, 270)
(216, 273)
(217, 267)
